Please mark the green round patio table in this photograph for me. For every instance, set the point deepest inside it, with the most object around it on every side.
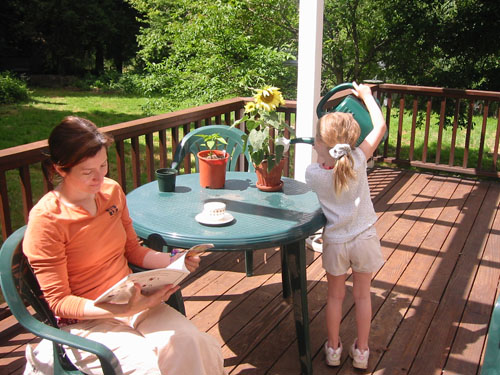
(261, 220)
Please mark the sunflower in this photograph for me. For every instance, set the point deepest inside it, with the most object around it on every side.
(268, 98)
(249, 107)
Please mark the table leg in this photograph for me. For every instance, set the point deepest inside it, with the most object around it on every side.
(285, 275)
(249, 262)
(294, 267)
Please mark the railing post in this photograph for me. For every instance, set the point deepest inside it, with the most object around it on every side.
(467, 134)
(4, 207)
(440, 132)
(150, 160)
(427, 129)
(27, 196)
(400, 126)
(483, 135)
(388, 123)
(454, 132)
(136, 162)
(497, 139)
(120, 164)
(163, 147)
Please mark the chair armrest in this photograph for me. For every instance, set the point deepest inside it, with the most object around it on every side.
(179, 154)
(109, 362)
(491, 365)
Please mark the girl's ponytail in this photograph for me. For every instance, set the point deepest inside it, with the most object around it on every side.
(340, 131)
(343, 171)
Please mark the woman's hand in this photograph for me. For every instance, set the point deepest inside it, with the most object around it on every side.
(192, 262)
(139, 302)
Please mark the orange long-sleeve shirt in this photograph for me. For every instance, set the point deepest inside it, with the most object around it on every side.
(76, 256)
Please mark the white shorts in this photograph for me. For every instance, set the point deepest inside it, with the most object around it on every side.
(362, 254)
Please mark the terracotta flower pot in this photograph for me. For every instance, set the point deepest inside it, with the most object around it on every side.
(212, 171)
(269, 181)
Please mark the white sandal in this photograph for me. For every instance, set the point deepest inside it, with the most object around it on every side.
(315, 242)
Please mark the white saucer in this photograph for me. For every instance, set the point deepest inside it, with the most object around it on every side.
(202, 219)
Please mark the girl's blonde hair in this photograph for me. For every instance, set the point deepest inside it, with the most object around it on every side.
(334, 128)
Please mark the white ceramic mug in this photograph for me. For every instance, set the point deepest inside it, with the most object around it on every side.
(214, 210)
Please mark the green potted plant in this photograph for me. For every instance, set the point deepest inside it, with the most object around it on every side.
(265, 140)
(212, 161)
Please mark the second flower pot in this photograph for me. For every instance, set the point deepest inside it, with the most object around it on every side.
(212, 168)
(269, 180)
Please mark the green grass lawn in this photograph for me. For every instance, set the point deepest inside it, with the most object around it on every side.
(32, 121)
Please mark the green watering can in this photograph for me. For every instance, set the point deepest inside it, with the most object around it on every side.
(350, 104)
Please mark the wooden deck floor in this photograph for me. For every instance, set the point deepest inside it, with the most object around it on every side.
(432, 300)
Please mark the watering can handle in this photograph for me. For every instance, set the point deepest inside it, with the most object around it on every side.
(343, 86)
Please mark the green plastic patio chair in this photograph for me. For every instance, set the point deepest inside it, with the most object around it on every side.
(21, 289)
(191, 144)
(491, 365)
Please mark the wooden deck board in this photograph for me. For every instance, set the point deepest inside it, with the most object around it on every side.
(432, 299)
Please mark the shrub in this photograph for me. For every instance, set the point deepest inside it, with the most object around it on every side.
(127, 83)
(12, 89)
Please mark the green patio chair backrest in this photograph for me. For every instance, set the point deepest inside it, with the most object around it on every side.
(191, 144)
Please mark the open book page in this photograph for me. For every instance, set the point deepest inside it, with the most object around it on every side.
(151, 280)
(195, 250)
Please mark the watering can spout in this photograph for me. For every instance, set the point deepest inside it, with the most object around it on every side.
(308, 140)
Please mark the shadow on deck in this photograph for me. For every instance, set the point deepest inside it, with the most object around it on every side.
(432, 300)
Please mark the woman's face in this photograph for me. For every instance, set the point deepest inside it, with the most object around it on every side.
(88, 175)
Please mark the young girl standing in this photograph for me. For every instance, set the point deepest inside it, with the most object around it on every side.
(349, 238)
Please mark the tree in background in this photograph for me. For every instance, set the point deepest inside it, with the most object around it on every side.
(69, 37)
(215, 49)
(449, 43)
(354, 41)
(210, 50)
(205, 50)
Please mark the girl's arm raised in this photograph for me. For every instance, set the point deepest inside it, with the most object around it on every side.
(372, 140)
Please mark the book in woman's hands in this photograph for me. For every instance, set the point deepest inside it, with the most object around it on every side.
(151, 280)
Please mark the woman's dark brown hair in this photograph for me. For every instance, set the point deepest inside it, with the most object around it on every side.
(74, 140)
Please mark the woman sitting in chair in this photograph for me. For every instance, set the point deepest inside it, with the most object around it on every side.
(79, 242)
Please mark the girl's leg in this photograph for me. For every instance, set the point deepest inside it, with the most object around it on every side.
(336, 293)
(362, 299)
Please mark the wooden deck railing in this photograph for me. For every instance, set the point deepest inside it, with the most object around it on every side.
(143, 145)
(440, 131)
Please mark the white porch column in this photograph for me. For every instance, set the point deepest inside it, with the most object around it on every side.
(309, 79)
